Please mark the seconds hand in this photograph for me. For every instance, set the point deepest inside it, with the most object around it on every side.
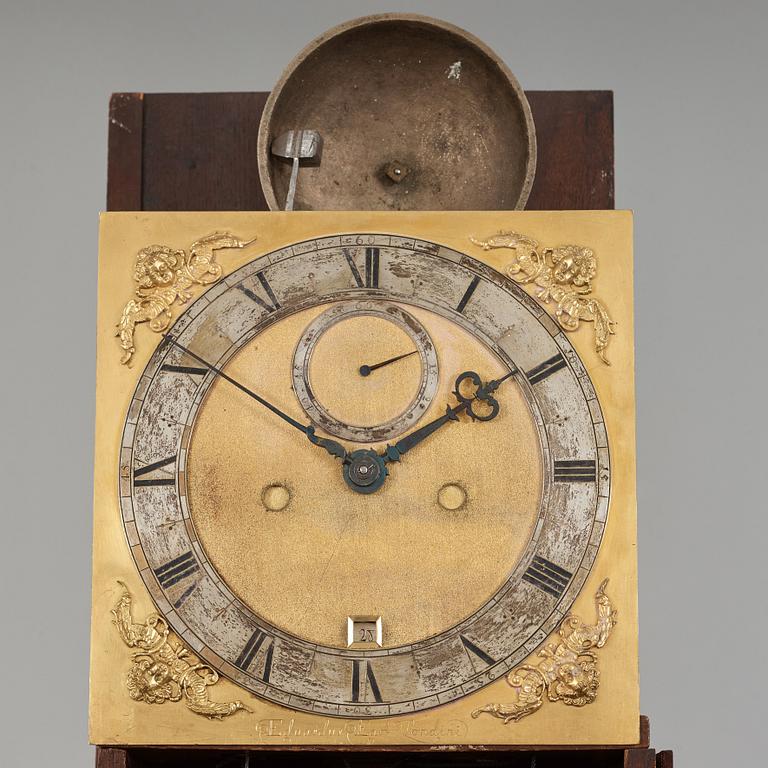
(365, 370)
(334, 448)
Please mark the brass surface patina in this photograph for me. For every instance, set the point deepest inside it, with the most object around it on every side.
(251, 557)
(562, 275)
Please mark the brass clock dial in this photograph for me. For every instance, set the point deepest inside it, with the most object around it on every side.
(258, 529)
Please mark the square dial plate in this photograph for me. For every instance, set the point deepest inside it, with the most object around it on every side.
(354, 472)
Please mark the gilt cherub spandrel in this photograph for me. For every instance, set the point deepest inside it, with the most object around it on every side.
(568, 670)
(164, 670)
(163, 277)
(563, 275)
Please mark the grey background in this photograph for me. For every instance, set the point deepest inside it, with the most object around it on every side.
(689, 80)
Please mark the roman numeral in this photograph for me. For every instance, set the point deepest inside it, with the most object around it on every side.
(356, 679)
(177, 569)
(250, 650)
(575, 471)
(268, 662)
(361, 669)
(268, 306)
(149, 468)
(470, 647)
(373, 686)
(182, 598)
(353, 267)
(547, 368)
(468, 294)
(190, 369)
(371, 268)
(547, 576)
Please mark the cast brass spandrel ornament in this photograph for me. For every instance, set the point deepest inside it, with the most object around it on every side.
(563, 276)
(567, 671)
(163, 277)
(164, 670)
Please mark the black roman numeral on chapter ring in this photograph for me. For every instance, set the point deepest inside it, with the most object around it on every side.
(360, 668)
(462, 305)
(250, 650)
(547, 576)
(371, 268)
(575, 471)
(269, 306)
(148, 468)
(268, 663)
(545, 369)
(176, 570)
(248, 654)
(190, 369)
(476, 650)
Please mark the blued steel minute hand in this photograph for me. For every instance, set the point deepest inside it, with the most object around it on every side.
(483, 393)
(334, 448)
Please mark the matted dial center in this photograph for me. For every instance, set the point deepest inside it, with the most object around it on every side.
(336, 551)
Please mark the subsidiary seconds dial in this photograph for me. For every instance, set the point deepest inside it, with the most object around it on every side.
(365, 371)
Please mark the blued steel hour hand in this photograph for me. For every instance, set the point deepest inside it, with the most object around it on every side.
(334, 448)
(480, 405)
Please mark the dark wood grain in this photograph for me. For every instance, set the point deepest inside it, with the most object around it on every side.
(112, 757)
(197, 151)
(200, 152)
(126, 117)
(215, 758)
(639, 758)
(574, 132)
(645, 732)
